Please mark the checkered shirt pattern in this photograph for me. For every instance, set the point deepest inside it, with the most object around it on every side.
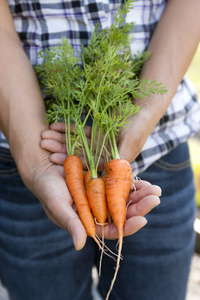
(42, 23)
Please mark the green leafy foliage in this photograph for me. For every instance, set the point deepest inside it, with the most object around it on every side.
(105, 85)
(60, 78)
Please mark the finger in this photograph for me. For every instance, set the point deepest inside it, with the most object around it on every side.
(53, 146)
(60, 126)
(139, 184)
(131, 226)
(58, 158)
(143, 207)
(134, 224)
(54, 135)
(143, 192)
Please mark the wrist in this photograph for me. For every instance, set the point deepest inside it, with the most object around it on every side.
(29, 157)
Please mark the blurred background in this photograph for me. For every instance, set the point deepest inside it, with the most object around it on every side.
(194, 143)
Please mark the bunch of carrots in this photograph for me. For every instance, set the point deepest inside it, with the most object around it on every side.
(99, 84)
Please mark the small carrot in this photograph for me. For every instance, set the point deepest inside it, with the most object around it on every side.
(103, 177)
(97, 199)
(118, 183)
(95, 189)
(75, 181)
(87, 177)
(96, 194)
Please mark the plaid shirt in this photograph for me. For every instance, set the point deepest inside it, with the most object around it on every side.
(42, 23)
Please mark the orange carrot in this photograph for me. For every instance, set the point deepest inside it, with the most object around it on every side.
(103, 177)
(95, 188)
(118, 183)
(97, 199)
(75, 182)
(87, 177)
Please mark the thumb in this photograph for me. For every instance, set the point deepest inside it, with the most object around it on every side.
(130, 144)
(126, 151)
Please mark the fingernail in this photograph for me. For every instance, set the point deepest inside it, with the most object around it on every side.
(145, 222)
(75, 242)
(156, 204)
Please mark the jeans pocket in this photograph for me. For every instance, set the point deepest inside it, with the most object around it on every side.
(176, 160)
(172, 167)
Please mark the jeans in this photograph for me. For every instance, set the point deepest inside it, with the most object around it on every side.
(38, 260)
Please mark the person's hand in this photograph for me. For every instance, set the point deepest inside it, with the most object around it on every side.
(51, 189)
(54, 141)
(139, 203)
(132, 138)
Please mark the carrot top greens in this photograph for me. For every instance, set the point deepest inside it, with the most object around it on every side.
(103, 81)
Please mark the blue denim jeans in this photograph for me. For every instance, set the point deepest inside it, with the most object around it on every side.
(38, 261)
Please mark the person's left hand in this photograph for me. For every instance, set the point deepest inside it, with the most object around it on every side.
(139, 203)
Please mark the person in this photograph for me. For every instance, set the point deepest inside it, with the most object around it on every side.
(37, 256)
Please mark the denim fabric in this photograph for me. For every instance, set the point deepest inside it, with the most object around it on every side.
(37, 258)
(38, 262)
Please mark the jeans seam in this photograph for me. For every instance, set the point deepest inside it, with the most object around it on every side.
(6, 159)
(7, 173)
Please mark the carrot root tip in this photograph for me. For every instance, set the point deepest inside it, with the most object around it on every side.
(117, 267)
